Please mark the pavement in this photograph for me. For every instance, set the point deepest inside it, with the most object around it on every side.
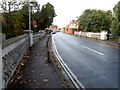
(34, 71)
(94, 64)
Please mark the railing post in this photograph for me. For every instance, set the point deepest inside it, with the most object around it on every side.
(1, 68)
(1, 61)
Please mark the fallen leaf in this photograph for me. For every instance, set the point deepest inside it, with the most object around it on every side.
(22, 64)
(41, 74)
(21, 82)
(31, 84)
(45, 80)
(37, 84)
(12, 80)
(47, 85)
(62, 85)
(33, 77)
(35, 80)
(32, 71)
(25, 82)
(28, 80)
(67, 85)
(19, 77)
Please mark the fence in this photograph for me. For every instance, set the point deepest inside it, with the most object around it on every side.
(102, 35)
(12, 52)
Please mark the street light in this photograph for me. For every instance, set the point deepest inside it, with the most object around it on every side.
(29, 16)
(29, 1)
(30, 31)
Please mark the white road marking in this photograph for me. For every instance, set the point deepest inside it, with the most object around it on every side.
(74, 42)
(93, 50)
(75, 80)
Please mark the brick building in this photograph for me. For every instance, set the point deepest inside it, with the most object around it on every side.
(53, 27)
(71, 27)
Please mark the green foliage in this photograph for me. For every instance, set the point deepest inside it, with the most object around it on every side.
(46, 16)
(16, 17)
(115, 26)
(13, 18)
(95, 20)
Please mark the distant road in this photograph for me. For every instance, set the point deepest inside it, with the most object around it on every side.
(94, 64)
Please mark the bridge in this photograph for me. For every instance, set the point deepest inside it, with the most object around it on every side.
(12, 52)
(39, 72)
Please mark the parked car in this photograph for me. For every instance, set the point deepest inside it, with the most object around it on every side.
(54, 32)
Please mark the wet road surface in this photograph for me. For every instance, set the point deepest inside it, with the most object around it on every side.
(94, 64)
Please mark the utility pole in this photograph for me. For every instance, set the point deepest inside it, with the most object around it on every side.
(29, 16)
(1, 62)
(30, 31)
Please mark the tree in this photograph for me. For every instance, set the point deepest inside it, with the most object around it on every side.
(46, 16)
(16, 16)
(95, 20)
(115, 26)
(11, 15)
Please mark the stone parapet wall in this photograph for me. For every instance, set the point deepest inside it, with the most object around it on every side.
(37, 36)
(12, 52)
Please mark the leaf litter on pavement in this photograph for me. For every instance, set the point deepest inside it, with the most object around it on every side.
(18, 76)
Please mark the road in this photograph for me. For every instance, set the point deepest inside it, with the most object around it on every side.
(94, 64)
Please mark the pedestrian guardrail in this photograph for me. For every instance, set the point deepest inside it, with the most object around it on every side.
(68, 72)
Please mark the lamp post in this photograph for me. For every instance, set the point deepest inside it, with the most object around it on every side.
(29, 16)
(29, 31)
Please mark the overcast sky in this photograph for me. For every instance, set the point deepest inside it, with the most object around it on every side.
(68, 10)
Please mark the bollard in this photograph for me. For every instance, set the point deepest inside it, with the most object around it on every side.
(46, 43)
(1, 69)
(48, 56)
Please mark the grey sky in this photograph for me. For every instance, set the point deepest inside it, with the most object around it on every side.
(67, 10)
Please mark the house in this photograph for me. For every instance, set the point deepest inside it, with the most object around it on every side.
(70, 28)
(53, 27)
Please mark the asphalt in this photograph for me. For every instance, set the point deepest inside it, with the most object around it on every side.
(34, 71)
(114, 43)
(94, 64)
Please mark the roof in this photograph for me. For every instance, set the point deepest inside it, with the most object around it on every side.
(68, 26)
(54, 25)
